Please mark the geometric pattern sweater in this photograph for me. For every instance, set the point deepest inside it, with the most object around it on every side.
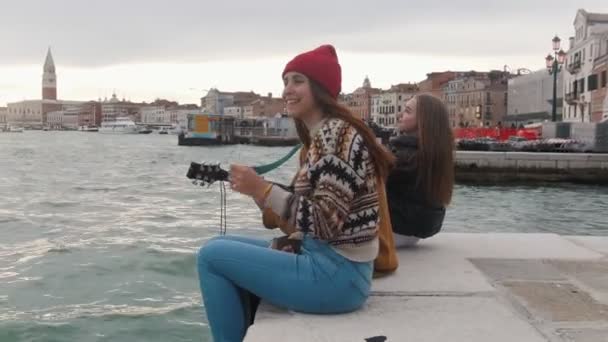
(335, 197)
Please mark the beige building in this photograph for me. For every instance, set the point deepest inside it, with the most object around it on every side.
(477, 99)
(62, 119)
(265, 107)
(115, 108)
(387, 106)
(235, 111)
(435, 82)
(599, 95)
(3, 116)
(170, 115)
(384, 107)
(154, 115)
(359, 102)
(260, 107)
(581, 77)
(216, 101)
(69, 117)
(33, 113)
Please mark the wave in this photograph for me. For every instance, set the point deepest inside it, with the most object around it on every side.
(106, 311)
(58, 204)
(99, 188)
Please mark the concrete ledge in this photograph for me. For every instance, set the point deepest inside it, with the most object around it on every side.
(469, 287)
(532, 159)
(403, 319)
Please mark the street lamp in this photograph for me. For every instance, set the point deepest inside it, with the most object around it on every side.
(554, 65)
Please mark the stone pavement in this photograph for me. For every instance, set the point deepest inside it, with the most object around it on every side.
(469, 288)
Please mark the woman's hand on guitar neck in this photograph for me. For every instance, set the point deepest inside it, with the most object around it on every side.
(244, 180)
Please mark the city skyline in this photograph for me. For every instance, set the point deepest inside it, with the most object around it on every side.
(185, 56)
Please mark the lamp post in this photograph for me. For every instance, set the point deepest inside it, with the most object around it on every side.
(554, 66)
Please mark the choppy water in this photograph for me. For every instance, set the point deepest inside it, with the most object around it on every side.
(98, 232)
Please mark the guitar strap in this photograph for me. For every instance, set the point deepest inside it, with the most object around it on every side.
(260, 170)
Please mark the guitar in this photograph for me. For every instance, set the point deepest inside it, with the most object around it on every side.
(206, 174)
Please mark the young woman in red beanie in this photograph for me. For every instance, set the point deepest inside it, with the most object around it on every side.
(331, 217)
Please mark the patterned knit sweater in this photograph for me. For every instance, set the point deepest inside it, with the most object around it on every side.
(335, 197)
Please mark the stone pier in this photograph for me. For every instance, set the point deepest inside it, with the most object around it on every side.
(470, 288)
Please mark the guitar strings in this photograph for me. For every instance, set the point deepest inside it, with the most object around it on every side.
(222, 208)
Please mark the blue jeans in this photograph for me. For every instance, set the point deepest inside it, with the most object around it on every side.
(318, 280)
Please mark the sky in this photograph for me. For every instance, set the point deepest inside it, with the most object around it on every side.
(177, 50)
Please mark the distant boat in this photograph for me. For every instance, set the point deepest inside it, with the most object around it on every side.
(12, 129)
(86, 128)
(163, 131)
(144, 131)
(121, 125)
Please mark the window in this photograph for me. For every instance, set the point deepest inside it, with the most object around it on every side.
(603, 81)
(581, 85)
(584, 55)
(592, 82)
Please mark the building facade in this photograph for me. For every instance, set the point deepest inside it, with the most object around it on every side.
(581, 77)
(154, 115)
(216, 101)
(384, 108)
(3, 116)
(259, 107)
(599, 95)
(115, 108)
(530, 97)
(265, 107)
(359, 102)
(435, 82)
(477, 99)
(89, 114)
(174, 115)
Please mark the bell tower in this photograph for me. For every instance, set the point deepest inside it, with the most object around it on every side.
(49, 78)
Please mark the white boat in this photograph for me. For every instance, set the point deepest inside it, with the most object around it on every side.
(121, 125)
(86, 128)
(12, 129)
(176, 129)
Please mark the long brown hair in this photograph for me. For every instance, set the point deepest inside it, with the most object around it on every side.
(435, 157)
(381, 158)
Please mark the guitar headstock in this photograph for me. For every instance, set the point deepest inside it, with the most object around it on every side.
(206, 174)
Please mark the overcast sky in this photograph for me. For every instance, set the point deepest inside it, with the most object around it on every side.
(176, 49)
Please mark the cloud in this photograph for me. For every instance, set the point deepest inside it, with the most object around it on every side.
(101, 33)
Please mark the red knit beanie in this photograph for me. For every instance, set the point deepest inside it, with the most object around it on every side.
(321, 65)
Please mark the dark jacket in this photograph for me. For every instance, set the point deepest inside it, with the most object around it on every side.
(411, 213)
